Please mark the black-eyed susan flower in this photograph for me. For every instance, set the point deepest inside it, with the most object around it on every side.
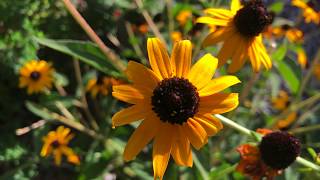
(176, 36)
(174, 102)
(101, 85)
(36, 76)
(286, 122)
(294, 35)
(309, 14)
(282, 101)
(240, 30)
(56, 143)
(183, 17)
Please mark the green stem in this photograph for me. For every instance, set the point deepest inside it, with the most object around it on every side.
(199, 166)
(248, 132)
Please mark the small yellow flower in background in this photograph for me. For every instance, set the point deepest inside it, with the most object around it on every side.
(176, 36)
(302, 58)
(56, 143)
(286, 122)
(101, 85)
(36, 76)
(292, 34)
(183, 17)
(309, 14)
(240, 30)
(174, 101)
(316, 71)
(281, 101)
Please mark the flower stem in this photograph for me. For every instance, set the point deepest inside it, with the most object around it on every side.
(248, 132)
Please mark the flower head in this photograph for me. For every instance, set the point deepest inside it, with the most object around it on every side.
(240, 30)
(279, 149)
(292, 34)
(282, 101)
(286, 122)
(56, 143)
(176, 36)
(37, 76)
(174, 101)
(309, 14)
(101, 85)
(183, 16)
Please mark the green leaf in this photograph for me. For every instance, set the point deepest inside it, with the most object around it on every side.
(289, 76)
(222, 171)
(280, 53)
(38, 110)
(276, 7)
(86, 52)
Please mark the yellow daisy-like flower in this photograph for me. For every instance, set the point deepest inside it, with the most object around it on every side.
(56, 143)
(309, 14)
(183, 17)
(281, 101)
(176, 36)
(240, 30)
(37, 76)
(101, 85)
(174, 101)
(292, 34)
(286, 122)
(302, 58)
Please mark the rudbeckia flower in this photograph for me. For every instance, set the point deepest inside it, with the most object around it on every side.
(240, 29)
(176, 36)
(184, 16)
(174, 101)
(309, 14)
(101, 85)
(282, 101)
(292, 34)
(56, 143)
(286, 122)
(37, 76)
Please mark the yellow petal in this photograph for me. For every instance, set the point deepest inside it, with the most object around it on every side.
(255, 58)
(181, 58)
(141, 76)
(57, 156)
(159, 58)
(228, 48)
(210, 128)
(162, 149)
(218, 103)
(265, 59)
(202, 71)
(129, 115)
(195, 133)
(181, 151)
(218, 84)
(127, 93)
(239, 57)
(213, 21)
(221, 34)
(221, 14)
(141, 137)
(235, 6)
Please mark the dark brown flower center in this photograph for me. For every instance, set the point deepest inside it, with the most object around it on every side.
(35, 75)
(252, 19)
(55, 144)
(100, 79)
(175, 100)
(285, 27)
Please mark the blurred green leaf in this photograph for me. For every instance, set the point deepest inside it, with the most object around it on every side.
(61, 79)
(38, 110)
(276, 7)
(280, 53)
(222, 171)
(289, 76)
(86, 52)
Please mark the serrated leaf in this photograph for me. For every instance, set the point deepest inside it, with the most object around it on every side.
(86, 52)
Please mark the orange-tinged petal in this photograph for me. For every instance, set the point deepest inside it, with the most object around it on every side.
(228, 48)
(239, 57)
(159, 58)
(162, 149)
(218, 103)
(57, 156)
(219, 35)
(181, 151)
(255, 57)
(129, 115)
(218, 84)
(213, 21)
(195, 133)
(265, 59)
(201, 73)
(127, 93)
(141, 76)
(210, 128)
(141, 137)
(181, 58)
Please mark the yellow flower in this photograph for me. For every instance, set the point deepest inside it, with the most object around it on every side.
(101, 85)
(176, 36)
(302, 58)
(240, 30)
(284, 123)
(292, 34)
(281, 101)
(143, 28)
(183, 17)
(37, 76)
(174, 101)
(56, 143)
(309, 14)
(316, 71)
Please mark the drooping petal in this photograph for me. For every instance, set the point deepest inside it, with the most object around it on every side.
(210, 128)
(221, 14)
(213, 21)
(181, 58)
(181, 151)
(265, 59)
(218, 84)
(129, 115)
(239, 57)
(201, 73)
(228, 48)
(159, 58)
(195, 133)
(127, 93)
(235, 6)
(57, 156)
(161, 149)
(221, 34)
(141, 137)
(141, 76)
(218, 103)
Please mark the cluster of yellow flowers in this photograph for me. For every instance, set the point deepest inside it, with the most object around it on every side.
(174, 99)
